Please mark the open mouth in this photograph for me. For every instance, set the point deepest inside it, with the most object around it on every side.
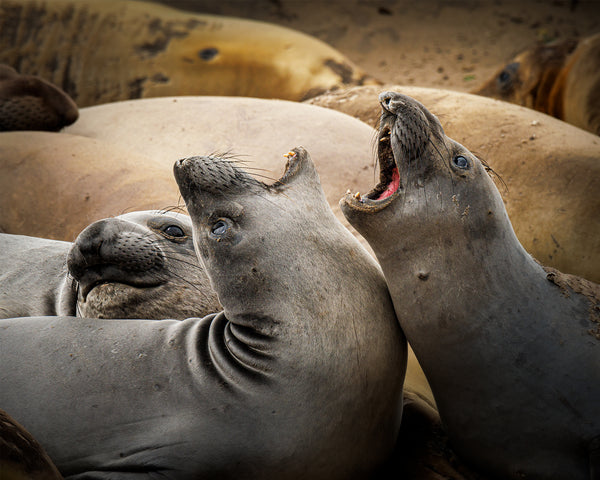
(389, 177)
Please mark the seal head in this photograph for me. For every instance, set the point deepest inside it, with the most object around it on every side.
(140, 265)
(498, 341)
(28, 102)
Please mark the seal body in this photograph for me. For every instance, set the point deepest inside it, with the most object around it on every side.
(300, 375)
(28, 102)
(137, 265)
(33, 277)
(561, 79)
(149, 50)
(511, 354)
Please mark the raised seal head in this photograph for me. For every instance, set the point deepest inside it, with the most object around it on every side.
(300, 288)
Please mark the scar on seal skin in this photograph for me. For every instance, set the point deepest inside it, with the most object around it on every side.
(509, 350)
(561, 79)
(28, 102)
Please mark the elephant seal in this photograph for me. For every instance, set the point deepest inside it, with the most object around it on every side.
(150, 50)
(561, 79)
(21, 456)
(42, 173)
(28, 102)
(554, 214)
(109, 144)
(136, 265)
(33, 277)
(300, 375)
(511, 352)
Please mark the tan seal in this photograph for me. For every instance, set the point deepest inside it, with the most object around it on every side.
(27, 102)
(561, 79)
(142, 49)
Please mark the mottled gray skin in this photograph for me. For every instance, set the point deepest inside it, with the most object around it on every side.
(137, 265)
(300, 376)
(28, 102)
(508, 353)
(33, 277)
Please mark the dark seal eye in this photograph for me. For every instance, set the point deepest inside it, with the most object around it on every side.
(174, 231)
(219, 228)
(207, 54)
(461, 162)
(507, 76)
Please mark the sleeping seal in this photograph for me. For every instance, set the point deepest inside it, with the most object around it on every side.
(300, 375)
(511, 349)
(136, 265)
(28, 102)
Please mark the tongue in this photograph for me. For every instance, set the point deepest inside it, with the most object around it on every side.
(392, 187)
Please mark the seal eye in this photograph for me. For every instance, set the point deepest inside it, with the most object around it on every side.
(219, 228)
(207, 54)
(174, 231)
(461, 162)
(507, 76)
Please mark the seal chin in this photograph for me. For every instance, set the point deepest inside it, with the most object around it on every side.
(389, 186)
(95, 287)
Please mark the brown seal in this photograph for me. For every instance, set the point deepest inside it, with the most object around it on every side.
(548, 171)
(148, 50)
(561, 79)
(126, 165)
(28, 102)
(511, 350)
(21, 456)
(53, 185)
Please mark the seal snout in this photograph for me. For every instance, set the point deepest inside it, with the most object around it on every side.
(114, 251)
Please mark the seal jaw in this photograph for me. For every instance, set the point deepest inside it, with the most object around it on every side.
(389, 186)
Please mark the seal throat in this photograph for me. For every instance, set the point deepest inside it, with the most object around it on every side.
(389, 176)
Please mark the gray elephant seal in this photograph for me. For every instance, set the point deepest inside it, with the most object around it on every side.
(28, 102)
(33, 277)
(137, 265)
(511, 352)
(300, 375)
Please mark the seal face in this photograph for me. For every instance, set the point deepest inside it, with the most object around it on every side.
(140, 265)
(300, 375)
(498, 341)
(28, 102)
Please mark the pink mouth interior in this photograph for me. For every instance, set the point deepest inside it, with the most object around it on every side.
(392, 187)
